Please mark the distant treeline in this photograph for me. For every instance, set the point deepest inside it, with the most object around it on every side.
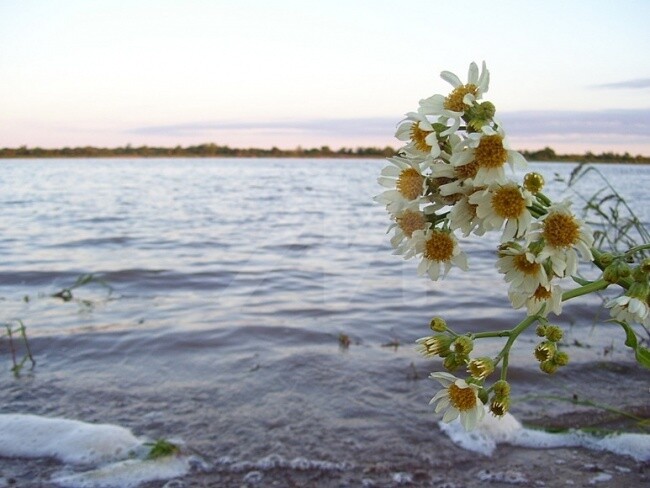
(213, 150)
(200, 151)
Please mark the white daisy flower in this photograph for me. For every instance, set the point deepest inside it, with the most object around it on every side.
(629, 309)
(439, 251)
(463, 217)
(404, 177)
(458, 398)
(500, 203)
(451, 107)
(420, 134)
(563, 233)
(521, 269)
(407, 221)
(489, 151)
(549, 296)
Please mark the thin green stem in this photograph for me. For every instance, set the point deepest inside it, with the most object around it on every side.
(544, 199)
(636, 249)
(512, 337)
(585, 290)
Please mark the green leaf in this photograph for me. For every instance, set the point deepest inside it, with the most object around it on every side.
(642, 355)
(630, 336)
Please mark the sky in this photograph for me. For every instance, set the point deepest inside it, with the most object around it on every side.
(570, 74)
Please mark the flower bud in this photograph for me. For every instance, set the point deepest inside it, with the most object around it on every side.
(545, 351)
(645, 266)
(554, 333)
(533, 182)
(438, 324)
(548, 367)
(606, 259)
(499, 406)
(610, 275)
(540, 330)
(639, 290)
(501, 389)
(451, 363)
(623, 270)
(561, 358)
(481, 368)
(463, 345)
(437, 345)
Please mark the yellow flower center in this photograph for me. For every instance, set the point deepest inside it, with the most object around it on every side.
(418, 136)
(463, 399)
(561, 230)
(508, 202)
(522, 264)
(490, 152)
(439, 247)
(466, 171)
(542, 293)
(410, 183)
(410, 221)
(455, 99)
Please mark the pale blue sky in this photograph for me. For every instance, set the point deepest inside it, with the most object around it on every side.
(574, 75)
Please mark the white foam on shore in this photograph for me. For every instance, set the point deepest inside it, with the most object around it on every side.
(492, 431)
(112, 455)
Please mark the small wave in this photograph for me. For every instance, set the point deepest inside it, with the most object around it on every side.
(492, 431)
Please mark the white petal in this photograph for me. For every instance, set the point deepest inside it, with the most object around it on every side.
(472, 74)
(450, 414)
(451, 78)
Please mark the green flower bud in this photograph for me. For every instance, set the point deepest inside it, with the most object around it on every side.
(545, 351)
(645, 266)
(452, 363)
(639, 290)
(548, 367)
(479, 115)
(501, 389)
(437, 345)
(438, 324)
(499, 406)
(638, 274)
(610, 275)
(606, 259)
(623, 270)
(533, 182)
(554, 333)
(540, 330)
(561, 358)
(481, 368)
(463, 345)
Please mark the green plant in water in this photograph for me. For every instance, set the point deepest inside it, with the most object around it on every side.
(449, 178)
(162, 448)
(17, 328)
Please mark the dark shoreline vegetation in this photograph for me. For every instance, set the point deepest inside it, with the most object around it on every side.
(215, 151)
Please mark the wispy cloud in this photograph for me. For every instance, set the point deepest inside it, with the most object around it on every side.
(635, 122)
(611, 123)
(371, 126)
(638, 83)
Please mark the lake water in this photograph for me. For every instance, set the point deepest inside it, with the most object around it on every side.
(230, 283)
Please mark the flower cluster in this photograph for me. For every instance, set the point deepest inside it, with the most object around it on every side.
(450, 179)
